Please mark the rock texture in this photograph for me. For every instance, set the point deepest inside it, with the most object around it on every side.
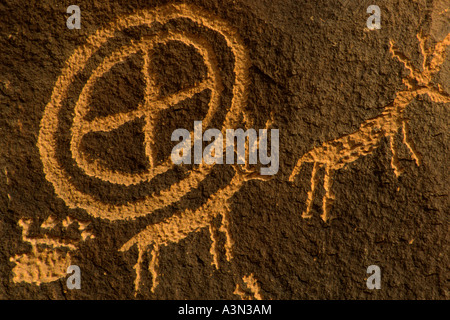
(86, 119)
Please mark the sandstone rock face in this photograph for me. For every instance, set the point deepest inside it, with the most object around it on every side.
(86, 176)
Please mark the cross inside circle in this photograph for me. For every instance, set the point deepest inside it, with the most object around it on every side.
(148, 109)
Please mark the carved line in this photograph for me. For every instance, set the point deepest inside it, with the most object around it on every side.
(252, 286)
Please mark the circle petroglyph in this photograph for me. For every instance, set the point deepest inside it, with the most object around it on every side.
(148, 109)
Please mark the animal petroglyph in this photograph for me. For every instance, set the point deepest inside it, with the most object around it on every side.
(179, 226)
(252, 290)
(336, 154)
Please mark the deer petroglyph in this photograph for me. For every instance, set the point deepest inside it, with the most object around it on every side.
(336, 154)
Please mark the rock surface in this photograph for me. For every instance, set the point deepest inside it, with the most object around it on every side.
(311, 69)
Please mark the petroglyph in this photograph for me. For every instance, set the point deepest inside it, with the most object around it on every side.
(49, 256)
(57, 175)
(50, 223)
(42, 265)
(172, 230)
(252, 290)
(336, 154)
(178, 227)
(7, 181)
(149, 109)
